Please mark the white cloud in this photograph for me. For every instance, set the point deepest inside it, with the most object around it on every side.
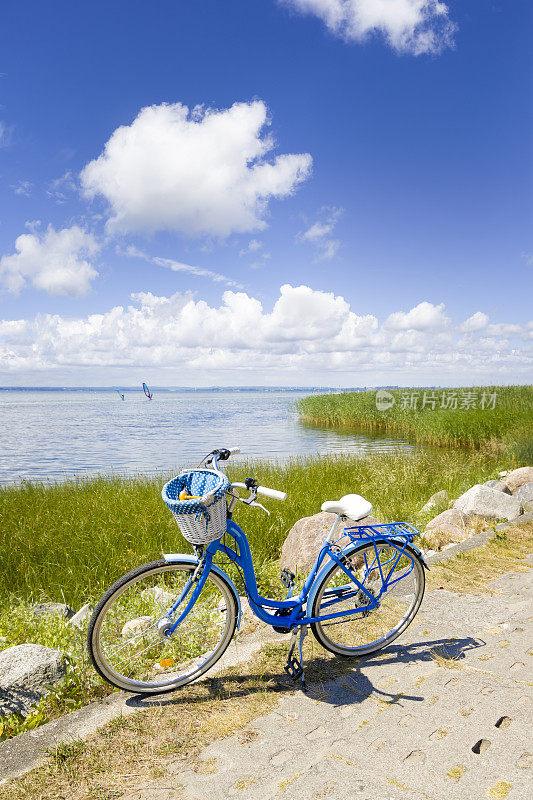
(61, 188)
(408, 26)
(527, 330)
(199, 172)
(53, 261)
(318, 234)
(23, 188)
(476, 322)
(257, 249)
(178, 266)
(504, 329)
(302, 314)
(423, 317)
(252, 247)
(5, 134)
(329, 249)
(306, 333)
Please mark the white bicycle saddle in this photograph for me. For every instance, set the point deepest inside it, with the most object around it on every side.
(352, 506)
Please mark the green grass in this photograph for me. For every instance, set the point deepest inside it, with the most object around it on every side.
(507, 426)
(68, 542)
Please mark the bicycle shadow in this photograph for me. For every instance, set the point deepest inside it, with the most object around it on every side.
(337, 681)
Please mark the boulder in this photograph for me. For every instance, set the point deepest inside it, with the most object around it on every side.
(450, 526)
(134, 627)
(482, 501)
(159, 596)
(80, 616)
(499, 486)
(306, 537)
(525, 497)
(45, 609)
(438, 538)
(453, 516)
(249, 622)
(439, 498)
(25, 672)
(518, 477)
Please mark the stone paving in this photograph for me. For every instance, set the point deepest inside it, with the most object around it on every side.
(399, 725)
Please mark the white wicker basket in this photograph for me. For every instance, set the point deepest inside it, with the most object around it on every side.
(204, 519)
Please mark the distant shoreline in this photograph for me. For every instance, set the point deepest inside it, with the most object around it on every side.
(310, 389)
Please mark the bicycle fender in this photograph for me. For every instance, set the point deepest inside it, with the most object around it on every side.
(348, 550)
(417, 550)
(193, 561)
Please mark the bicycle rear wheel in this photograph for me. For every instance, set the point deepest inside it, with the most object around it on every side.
(369, 631)
(125, 646)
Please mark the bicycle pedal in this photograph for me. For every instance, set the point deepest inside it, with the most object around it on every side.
(287, 578)
(293, 668)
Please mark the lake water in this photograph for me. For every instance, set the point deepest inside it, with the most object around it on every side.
(58, 434)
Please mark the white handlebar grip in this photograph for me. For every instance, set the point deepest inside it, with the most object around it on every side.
(234, 450)
(273, 493)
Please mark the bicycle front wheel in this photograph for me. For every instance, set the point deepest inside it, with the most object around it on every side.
(368, 631)
(124, 643)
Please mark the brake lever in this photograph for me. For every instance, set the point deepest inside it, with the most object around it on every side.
(250, 501)
(258, 505)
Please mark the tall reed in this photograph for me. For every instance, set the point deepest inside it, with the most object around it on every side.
(421, 415)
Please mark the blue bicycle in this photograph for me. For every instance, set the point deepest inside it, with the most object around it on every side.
(166, 623)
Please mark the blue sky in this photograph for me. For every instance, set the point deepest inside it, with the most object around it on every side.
(392, 200)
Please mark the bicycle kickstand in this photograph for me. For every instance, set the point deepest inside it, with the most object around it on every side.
(294, 667)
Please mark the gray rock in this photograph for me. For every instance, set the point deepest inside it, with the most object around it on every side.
(25, 672)
(482, 501)
(45, 609)
(448, 527)
(80, 616)
(525, 497)
(499, 486)
(306, 536)
(518, 477)
(453, 516)
(249, 622)
(445, 534)
(136, 626)
(439, 498)
(159, 596)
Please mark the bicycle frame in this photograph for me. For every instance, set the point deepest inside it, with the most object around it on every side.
(397, 536)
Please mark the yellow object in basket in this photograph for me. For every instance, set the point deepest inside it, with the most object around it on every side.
(184, 496)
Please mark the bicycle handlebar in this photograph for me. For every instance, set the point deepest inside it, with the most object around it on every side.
(273, 493)
(264, 490)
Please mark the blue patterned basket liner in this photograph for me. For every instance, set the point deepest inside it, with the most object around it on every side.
(195, 482)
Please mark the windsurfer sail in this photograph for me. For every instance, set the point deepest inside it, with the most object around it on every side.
(120, 394)
(147, 391)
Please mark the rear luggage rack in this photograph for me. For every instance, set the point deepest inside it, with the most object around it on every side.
(385, 530)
